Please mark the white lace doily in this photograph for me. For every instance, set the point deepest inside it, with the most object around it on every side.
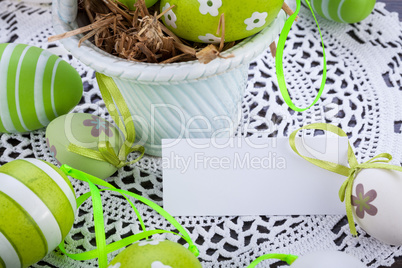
(363, 96)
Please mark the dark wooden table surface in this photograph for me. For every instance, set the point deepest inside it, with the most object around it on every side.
(393, 5)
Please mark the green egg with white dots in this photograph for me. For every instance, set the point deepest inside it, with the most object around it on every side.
(198, 20)
(130, 3)
(155, 254)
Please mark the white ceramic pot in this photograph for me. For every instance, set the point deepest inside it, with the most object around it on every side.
(177, 100)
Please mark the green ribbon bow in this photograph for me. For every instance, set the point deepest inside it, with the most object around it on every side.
(113, 98)
(279, 60)
(102, 249)
(288, 258)
(345, 192)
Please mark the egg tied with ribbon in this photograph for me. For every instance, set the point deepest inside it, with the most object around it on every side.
(36, 86)
(37, 207)
(377, 202)
(372, 197)
(155, 254)
(81, 130)
(91, 144)
(371, 191)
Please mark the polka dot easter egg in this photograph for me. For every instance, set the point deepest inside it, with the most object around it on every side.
(347, 11)
(327, 259)
(38, 206)
(377, 202)
(198, 20)
(130, 3)
(83, 130)
(35, 87)
(155, 254)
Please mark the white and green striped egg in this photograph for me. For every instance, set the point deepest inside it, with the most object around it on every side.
(36, 86)
(198, 20)
(37, 208)
(347, 11)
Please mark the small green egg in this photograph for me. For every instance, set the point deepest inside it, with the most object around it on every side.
(198, 20)
(84, 130)
(130, 3)
(347, 11)
(155, 254)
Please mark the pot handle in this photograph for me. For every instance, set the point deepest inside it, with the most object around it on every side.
(66, 9)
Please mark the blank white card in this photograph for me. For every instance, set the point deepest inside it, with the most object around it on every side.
(251, 177)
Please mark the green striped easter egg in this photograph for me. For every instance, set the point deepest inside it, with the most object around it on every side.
(347, 11)
(35, 87)
(37, 208)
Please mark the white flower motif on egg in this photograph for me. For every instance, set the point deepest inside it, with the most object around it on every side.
(158, 264)
(209, 38)
(170, 17)
(149, 242)
(210, 6)
(256, 20)
(117, 265)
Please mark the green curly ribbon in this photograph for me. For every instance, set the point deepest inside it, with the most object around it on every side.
(113, 98)
(102, 249)
(279, 60)
(345, 193)
(289, 259)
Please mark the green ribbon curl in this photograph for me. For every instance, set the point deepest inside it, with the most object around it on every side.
(288, 258)
(279, 60)
(345, 192)
(102, 248)
(113, 99)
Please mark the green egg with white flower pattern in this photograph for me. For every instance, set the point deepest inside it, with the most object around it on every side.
(155, 254)
(37, 206)
(84, 131)
(36, 86)
(198, 20)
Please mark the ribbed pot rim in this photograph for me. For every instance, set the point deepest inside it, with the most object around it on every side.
(110, 65)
